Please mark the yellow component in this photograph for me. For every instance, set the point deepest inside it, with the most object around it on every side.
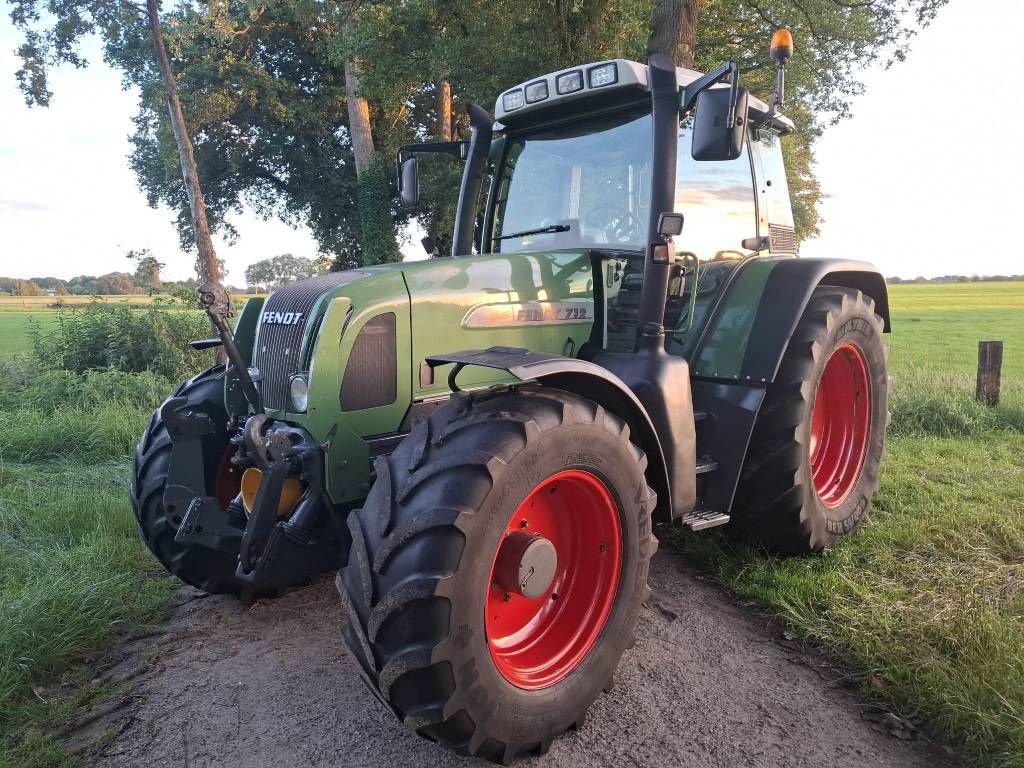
(291, 492)
(782, 45)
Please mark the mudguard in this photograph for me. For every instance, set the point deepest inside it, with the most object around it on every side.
(750, 327)
(582, 378)
(740, 350)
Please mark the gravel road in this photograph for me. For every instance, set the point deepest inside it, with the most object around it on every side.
(709, 683)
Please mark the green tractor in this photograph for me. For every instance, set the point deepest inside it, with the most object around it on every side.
(480, 444)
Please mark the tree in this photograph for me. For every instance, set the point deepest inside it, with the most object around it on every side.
(27, 288)
(674, 30)
(115, 284)
(147, 269)
(269, 89)
(124, 29)
(264, 90)
(270, 274)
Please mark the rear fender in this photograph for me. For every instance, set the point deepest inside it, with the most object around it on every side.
(581, 378)
(742, 346)
(747, 335)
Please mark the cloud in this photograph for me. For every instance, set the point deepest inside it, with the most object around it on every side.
(23, 206)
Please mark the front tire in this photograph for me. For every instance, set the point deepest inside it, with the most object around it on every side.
(442, 638)
(206, 569)
(815, 455)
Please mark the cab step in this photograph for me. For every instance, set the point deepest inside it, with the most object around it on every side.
(705, 465)
(699, 519)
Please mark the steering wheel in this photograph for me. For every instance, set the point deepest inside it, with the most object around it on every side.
(619, 224)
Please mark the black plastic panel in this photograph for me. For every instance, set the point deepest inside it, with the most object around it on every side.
(371, 376)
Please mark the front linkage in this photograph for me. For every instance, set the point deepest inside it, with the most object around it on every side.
(277, 543)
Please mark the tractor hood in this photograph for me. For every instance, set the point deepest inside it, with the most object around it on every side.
(360, 339)
(285, 334)
(542, 300)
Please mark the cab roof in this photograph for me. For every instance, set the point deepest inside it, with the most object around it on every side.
(607, 81)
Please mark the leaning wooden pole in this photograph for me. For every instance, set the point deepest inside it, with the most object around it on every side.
(212, 291)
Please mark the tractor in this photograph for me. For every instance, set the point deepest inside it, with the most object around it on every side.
(480, 445)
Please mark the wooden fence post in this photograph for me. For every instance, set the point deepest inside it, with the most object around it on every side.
(990, 363)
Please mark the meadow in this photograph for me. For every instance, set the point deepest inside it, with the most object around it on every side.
(925, 606)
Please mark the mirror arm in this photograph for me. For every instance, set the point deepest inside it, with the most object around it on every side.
(456, 149)
(729, 71)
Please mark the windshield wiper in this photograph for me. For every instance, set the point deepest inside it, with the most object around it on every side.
(549, 230)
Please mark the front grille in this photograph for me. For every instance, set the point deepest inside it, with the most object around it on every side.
(782, 239)
(278, 344)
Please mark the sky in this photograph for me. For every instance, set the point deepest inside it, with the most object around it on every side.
(921, 180)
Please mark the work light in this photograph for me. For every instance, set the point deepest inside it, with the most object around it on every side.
(603, 74)
(569, 82)
(513, 100)
(537, 91)
(299, 389)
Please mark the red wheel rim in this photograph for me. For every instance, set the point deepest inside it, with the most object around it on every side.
(840, 425)
(228, 481)
(537, 642)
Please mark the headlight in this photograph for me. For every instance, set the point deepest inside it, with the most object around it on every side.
(603, 74)
(570, 82)
(536, 91)
(513, 100)
(299, 388)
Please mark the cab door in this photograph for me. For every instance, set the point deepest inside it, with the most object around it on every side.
(719, 202)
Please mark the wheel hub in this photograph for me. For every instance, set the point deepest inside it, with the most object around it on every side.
(840, 425)
(554, 579)
(525, 564)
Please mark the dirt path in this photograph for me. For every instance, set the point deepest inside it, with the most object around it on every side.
(707, 684)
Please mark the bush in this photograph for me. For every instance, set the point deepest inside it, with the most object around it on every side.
(25, 385)
(101, 337)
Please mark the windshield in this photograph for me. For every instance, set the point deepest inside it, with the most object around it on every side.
(587, 183)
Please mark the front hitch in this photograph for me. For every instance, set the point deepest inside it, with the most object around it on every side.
(272, 552)
(276, 552)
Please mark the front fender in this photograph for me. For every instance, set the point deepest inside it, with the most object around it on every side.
(582, 378)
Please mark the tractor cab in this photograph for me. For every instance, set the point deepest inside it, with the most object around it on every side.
(571, 165)
(573, 170)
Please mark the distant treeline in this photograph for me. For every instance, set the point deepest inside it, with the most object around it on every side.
(110, 284)
(958, 279)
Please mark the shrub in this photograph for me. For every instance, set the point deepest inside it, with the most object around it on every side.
(102, 337)
(24, 384)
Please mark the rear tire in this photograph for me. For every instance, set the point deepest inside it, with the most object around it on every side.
(810, 475)
(206, 569)
(418, 590)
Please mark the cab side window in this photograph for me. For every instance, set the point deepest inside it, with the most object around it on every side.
(717, 199)
(777, 209)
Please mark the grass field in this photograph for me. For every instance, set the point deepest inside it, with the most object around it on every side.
(927, 602)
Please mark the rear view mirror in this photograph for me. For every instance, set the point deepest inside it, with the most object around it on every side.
(713, 139)
(409, 182)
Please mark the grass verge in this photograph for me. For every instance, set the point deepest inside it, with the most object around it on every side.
(73, 572)
(928, 598)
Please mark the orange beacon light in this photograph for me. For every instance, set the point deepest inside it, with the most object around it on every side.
(782, 45)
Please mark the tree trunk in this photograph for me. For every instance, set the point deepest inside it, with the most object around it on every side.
(443, 129)
(358, 119)
(674, 30)
(373, 179)
(208, 265)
